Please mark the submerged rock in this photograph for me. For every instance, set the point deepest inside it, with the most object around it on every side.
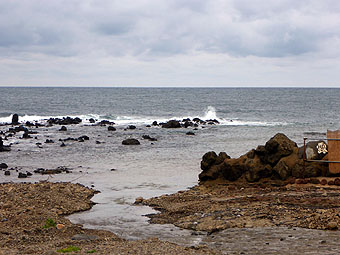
(3, 166)
(63, 128)
(111, 128)
(131, 141)
(15, 119)
(147, 137)
(171, 124)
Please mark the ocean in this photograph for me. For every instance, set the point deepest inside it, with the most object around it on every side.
(248, 117)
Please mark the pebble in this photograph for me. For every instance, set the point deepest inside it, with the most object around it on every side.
(332, 225)
(60, 226)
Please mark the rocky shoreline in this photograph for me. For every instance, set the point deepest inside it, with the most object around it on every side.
(266, 187)
(32, 221)
(269, 186)
(218, 205)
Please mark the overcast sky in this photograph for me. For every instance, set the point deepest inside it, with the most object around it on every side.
(170, 43)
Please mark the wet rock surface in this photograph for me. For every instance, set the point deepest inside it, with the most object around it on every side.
(219, 208)
(131, 141)
(32, 222)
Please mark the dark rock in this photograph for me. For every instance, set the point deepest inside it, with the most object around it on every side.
(131, 127)
(22, 175)
(171, 124)
(131, 141)
(251, 154)
(331, 182)
(64, 121)
(198, 120)
(29, 173)
(211, 165)
(208, 160)
(285, 166)
(15, 119)
(256, 169)
(68, 139)
(63, 128)
(147, 137)
(154, 123)
(111, 128)
(105, 122)
(323, 182)
(233, 169)
(26, 134)
(276, 148)
(7, 172)
(148, 126)
(83, 138)
(215, 121)
(188, 124)
(190, 133)
(337, 182)
(92, 120)
(49, 141)
(62, 145)
(29, 124)
(58, 170)
(3, 166)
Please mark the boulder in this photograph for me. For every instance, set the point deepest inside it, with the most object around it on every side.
(3, 166)
(7, 173)
(131, 141)
(190, 133)
(22, 175)
(92, 121)
(232, 169)
(256, 169)
(64, 121)
(131, 127)
(111, 128)
(147, 137)
(63, 128)
(15, 119)
(83, 138)
(188, 124)
(283, 169)
(276, 148)
(211, 165)
(154, 123)
(171, 124)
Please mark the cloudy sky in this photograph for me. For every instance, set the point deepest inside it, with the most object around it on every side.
(170, 43)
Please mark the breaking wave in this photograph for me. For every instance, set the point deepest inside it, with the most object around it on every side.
(208, 114)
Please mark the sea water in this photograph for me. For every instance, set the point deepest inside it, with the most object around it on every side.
(248, 117)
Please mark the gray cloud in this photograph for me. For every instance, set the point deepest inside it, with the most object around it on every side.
(147, 31)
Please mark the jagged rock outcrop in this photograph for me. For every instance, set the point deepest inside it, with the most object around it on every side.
(279, 158)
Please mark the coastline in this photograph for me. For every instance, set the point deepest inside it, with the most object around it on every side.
(33, 222)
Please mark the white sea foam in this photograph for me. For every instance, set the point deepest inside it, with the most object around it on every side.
(208, 114)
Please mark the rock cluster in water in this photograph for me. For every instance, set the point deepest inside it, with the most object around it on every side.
(279, 158)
